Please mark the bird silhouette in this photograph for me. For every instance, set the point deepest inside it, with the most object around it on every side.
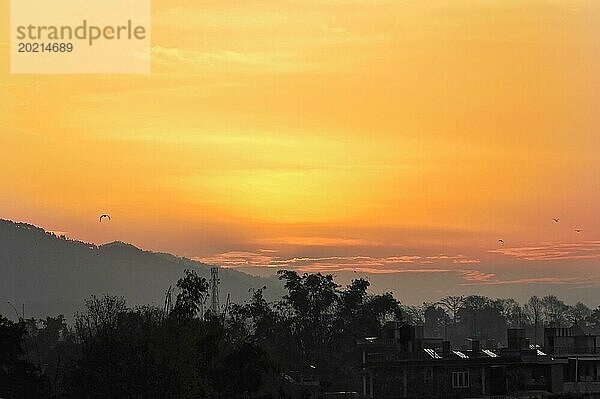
(578, 231)
(501, 242)
(104, 216)
(556, 220)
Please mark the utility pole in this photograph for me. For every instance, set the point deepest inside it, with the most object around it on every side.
(168, 301)
(214, 291)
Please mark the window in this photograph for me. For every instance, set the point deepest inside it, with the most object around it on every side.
(460, 379)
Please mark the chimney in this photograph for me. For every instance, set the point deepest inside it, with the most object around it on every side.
(516, 338)
(475, 346)
(445, 346)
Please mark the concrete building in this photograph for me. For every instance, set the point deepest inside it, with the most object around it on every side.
(402, 363)
(582, 354)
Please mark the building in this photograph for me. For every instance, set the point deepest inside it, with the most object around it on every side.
(402, 363)
(582, 354)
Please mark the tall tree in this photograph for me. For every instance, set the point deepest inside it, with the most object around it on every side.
(534, 309)
(436, 321)
(452, 304)
(415, 314)
(192, 294)
(579, 314)
(512, 311)
(555, 311)
(19, 378)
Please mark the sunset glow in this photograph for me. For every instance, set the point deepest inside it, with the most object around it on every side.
(374, 137)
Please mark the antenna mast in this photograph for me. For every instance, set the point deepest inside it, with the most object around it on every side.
(214, 291)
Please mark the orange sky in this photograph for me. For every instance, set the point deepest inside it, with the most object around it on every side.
(328, 135)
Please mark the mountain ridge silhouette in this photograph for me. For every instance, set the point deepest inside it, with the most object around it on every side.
(53, 274)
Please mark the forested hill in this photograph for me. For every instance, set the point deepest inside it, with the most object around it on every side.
(52, 275)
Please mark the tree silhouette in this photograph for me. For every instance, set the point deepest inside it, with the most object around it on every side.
(19, 378)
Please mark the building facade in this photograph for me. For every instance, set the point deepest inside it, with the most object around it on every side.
(402, 363)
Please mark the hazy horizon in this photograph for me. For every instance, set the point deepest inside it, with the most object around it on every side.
(411, 287)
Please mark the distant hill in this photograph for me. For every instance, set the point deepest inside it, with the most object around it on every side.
(53, 275)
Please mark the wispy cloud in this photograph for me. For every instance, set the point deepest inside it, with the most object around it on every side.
(357, 263)
(466, 261)
(235, 259)
(387, 264)
(554, 251)
(476, 275)
(457, 265)
(527, 280)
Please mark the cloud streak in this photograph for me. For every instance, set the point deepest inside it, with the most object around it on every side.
(370, 264)
(459, 266)
(554, 251)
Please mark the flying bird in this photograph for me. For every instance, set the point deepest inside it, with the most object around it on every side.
(104, 216)
(501, 242)
(556, 220)
(578, 231)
